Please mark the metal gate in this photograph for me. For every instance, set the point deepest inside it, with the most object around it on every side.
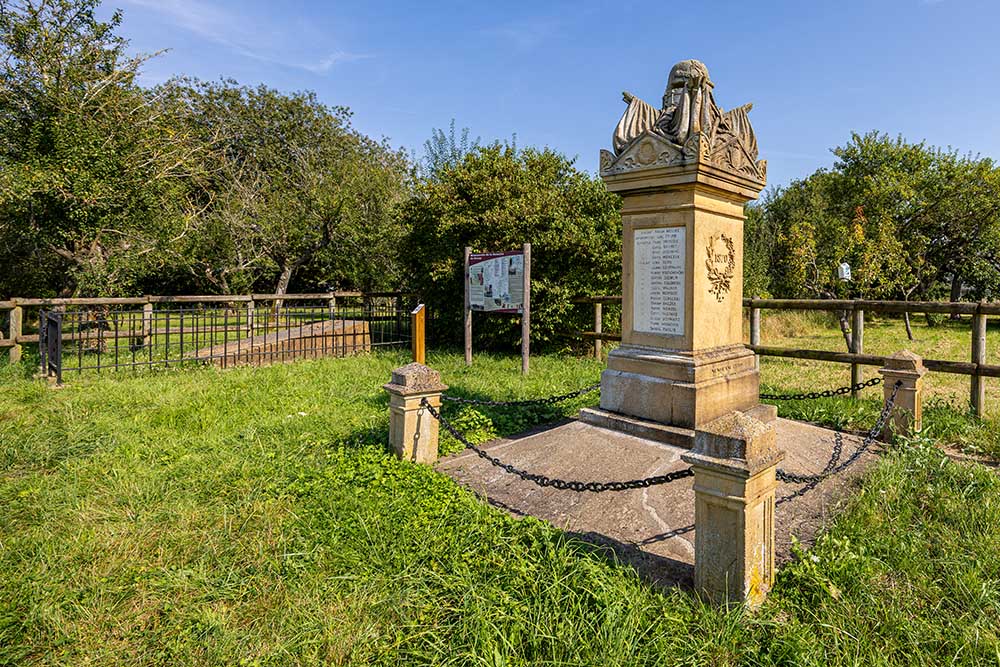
(50, 344)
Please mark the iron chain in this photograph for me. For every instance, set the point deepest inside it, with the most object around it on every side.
(826, 393)
(831, 468)
(793, 478)
(561, 484)
(838, 450)
(535, 401)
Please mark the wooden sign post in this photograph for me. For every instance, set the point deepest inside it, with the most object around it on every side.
(526, 311)
(499, 282)
(417, 325)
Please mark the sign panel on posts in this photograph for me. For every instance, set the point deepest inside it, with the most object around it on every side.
(499, 282)
(496, 282)
(658, 269)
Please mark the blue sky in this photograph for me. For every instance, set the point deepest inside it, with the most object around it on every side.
(553, 72)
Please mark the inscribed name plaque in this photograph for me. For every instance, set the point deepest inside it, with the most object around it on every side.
(658, 268)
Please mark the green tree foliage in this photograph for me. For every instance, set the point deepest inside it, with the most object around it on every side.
(496, 199)
(109, 188)
(92, 167)
(910, 219)
(446, 151)
(293, 188)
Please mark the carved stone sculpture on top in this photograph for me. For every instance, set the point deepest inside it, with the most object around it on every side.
(689, 128)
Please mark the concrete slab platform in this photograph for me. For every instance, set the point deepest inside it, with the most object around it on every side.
(651, 529)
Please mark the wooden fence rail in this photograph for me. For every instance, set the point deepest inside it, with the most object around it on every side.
(976, 367)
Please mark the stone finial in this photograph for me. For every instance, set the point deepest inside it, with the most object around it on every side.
(904, 360)
(415, 378)
(689, 128)
(737, 441)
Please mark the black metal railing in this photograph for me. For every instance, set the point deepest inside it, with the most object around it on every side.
(167, 334)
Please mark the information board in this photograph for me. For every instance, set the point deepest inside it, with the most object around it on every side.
(499, 282)
(496, 282)
(658, 272)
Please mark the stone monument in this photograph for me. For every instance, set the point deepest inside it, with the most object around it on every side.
(684, 173)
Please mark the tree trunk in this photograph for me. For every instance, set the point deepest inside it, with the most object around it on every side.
(909, 329)
(845, 329)
(956, 293)
(284, 280)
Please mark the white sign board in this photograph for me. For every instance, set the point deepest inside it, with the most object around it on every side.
(496, 282)
(658, 272)
(499, 282)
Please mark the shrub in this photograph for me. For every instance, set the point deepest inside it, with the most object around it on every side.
(496, 199)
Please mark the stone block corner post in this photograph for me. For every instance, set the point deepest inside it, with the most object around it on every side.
(734, 460)
(413, 431)
(907, 414)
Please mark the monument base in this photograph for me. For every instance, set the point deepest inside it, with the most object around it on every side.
(677, 436)
(680, 388)
(666, 395)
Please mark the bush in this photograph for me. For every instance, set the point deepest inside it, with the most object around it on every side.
(496, 199)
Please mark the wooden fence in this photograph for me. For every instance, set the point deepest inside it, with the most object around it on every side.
(976, 367)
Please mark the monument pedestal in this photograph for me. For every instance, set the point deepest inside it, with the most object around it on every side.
(665, 395)
(682, 362)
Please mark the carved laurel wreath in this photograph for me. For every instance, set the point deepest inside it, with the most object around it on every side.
(720, 277)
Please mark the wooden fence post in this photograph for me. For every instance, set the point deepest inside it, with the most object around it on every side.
(468, 311)
(598, 328)
(15, 331)
(526, 312)
(251, 316)
(755, 332)
(417, 320)
(857, 346)
(978, 386)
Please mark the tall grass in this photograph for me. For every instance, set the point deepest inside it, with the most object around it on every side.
(254, 517)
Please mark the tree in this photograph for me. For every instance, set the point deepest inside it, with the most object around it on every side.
(445, 151)
(497, 198)
(92, 167)
(292, 185)
(911, 220)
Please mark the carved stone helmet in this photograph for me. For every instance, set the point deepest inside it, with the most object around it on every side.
(682, 73)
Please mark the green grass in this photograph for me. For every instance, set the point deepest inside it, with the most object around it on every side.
(946, 396)
(948, 340)
(254, 517)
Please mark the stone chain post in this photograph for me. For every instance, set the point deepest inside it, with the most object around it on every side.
(734, 460)
(907, 413)
(413, 432)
